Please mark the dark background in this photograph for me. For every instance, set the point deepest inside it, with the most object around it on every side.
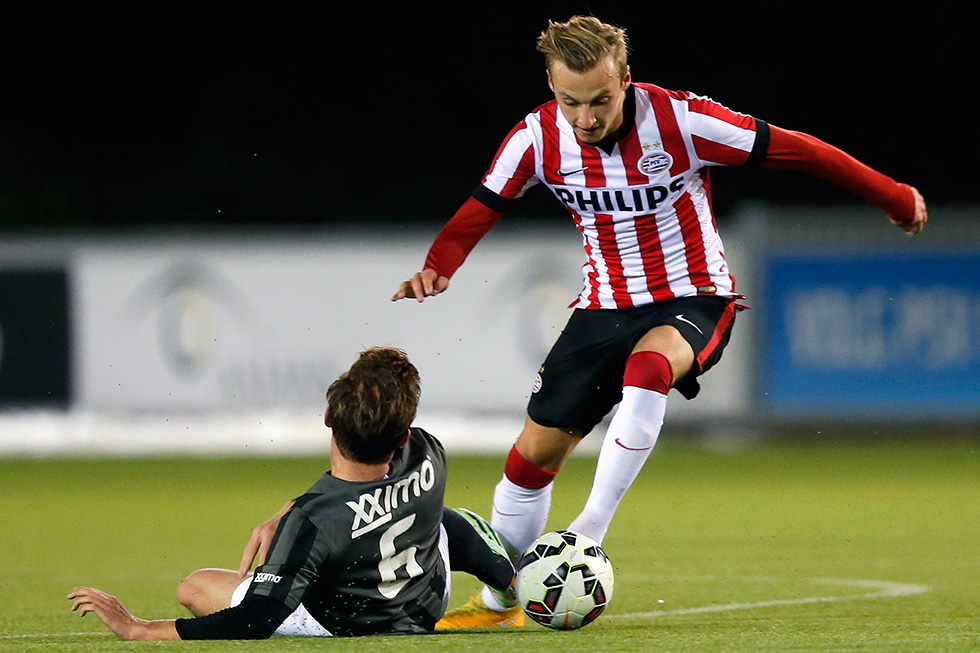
(145, 115)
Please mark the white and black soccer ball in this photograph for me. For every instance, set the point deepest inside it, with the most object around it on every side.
(564, 580)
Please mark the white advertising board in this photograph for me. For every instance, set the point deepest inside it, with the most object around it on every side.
(253, 323)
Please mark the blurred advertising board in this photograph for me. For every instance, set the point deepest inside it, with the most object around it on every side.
(270, 322)
(871, 334)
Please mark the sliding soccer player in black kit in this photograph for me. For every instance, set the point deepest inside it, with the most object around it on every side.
(366, 550)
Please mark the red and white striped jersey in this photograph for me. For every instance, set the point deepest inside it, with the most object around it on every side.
(642, 205)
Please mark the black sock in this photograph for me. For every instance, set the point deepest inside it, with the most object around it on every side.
(468, 552)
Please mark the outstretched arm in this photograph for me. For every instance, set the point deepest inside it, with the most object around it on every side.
(451, 247)
(789, 150)
(256, 617)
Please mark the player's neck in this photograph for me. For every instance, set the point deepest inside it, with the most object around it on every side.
(346, 469)
(357, 473)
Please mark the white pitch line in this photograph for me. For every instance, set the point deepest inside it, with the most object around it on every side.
(885, 589)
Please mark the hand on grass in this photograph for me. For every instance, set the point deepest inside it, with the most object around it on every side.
(117, 618)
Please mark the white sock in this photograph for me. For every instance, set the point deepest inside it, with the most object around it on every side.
(519, 514)
(632, 434)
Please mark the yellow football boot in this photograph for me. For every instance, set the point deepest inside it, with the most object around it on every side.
(476, 614)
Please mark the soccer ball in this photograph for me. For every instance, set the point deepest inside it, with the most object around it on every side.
(564, 580)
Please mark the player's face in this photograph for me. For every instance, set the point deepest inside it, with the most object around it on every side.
(592, 101)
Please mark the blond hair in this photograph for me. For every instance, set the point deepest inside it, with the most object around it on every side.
(373, 404)
(582, 42)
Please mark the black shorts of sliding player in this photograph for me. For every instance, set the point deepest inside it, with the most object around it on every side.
(582, 376)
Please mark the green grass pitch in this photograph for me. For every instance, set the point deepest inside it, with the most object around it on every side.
(783, 546)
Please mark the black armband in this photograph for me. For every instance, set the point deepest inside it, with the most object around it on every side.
(491, 200)
(761, 146)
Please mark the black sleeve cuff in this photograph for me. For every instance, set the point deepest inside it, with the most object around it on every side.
(491, 200)
(761, 147)
(256, 617)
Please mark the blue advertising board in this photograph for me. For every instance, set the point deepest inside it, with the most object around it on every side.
(864, 334)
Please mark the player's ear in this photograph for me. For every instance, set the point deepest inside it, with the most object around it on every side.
(404, 440)
(326, 417)
(627, 77)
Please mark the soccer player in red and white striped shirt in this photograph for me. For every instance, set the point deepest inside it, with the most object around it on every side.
(630, 162)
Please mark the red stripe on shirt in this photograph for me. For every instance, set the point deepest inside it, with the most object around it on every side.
(500, 150)
(609, 248)
(710, 108)
(595, 176)
(525, 170)
(697, 265)
(648, 237)
(631, 152)
(718, 152)
(673, 141)
(551, 144)
(517, 181)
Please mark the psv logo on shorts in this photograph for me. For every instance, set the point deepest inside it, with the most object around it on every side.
(654, 163)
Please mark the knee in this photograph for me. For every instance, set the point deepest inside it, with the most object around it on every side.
(208, 590)
(667, 341)
(189, 589)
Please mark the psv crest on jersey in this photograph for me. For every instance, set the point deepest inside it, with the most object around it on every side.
(654, 163)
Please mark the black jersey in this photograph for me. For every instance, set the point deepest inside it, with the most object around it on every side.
(363, 557)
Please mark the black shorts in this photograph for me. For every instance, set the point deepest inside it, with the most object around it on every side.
(582, 376)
